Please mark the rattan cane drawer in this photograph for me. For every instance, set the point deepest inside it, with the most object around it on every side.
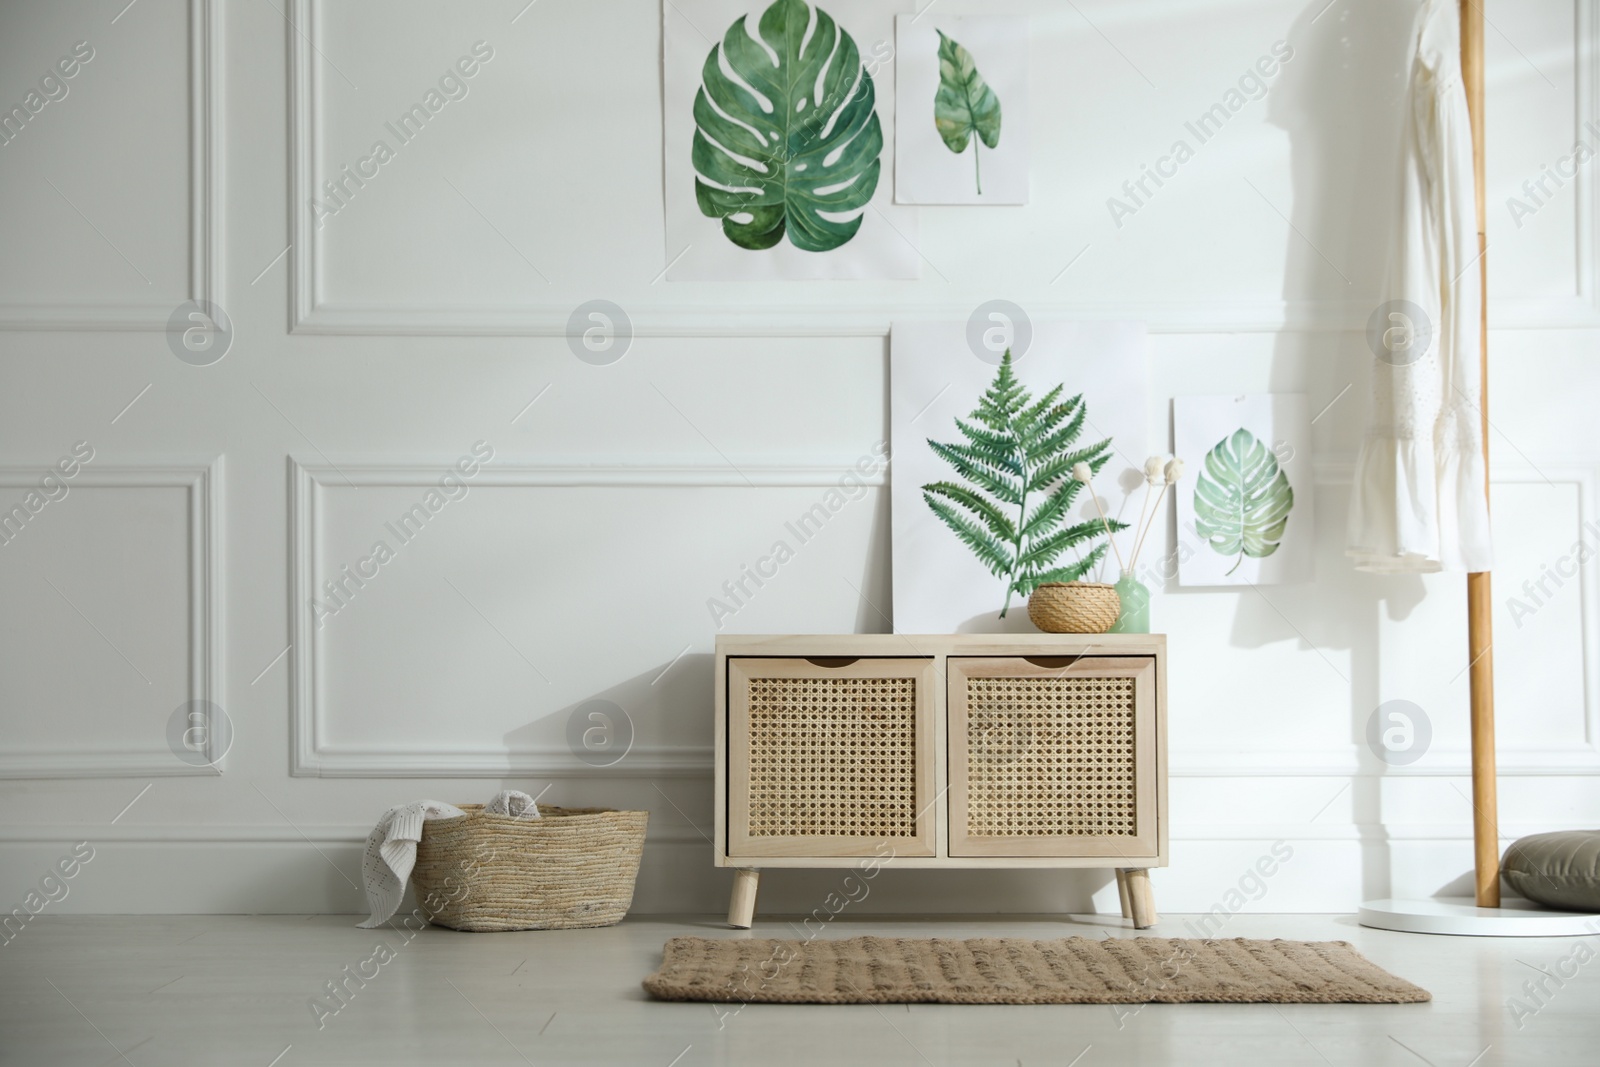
(1052, 761)
(831, 759)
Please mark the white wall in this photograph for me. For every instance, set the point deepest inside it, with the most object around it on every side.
(374, 351)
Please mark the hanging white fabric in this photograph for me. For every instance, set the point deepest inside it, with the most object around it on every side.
(1418, 503)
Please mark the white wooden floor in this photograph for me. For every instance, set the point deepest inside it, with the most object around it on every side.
(226, 990)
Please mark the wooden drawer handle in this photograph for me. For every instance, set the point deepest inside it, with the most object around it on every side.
(832, 662)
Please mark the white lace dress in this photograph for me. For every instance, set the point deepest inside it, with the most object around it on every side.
(1418, 502)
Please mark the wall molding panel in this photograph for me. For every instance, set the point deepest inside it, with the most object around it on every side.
(1338, 472)
(1581, 309)
(201, 481)
(312, 756)
(315, 758)
(204, 171)
(311, 313)
(1353, 761)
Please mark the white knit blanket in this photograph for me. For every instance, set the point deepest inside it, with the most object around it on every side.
(392, 852)
(512, 802)
(392, 846)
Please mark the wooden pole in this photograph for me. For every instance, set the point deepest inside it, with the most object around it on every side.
(1480, 601)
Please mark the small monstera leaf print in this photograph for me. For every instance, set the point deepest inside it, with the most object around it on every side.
(964, 104)
(790, 142)
(1242, 499)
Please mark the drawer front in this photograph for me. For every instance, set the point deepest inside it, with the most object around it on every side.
(1049, 760)
(829, 757)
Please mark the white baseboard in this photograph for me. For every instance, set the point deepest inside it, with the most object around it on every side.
(272, 871)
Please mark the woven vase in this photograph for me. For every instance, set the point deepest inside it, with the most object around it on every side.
(569, 868)
(1074, 607)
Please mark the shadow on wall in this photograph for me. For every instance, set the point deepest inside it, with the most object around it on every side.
(1342, 104)
(623, 723)
(626, 722)
(812, 899)
(875, 613)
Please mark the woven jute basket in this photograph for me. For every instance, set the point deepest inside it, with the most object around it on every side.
(1074, 607)
(569, 868)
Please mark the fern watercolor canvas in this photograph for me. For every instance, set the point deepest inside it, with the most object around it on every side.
(982, 446)
(962, 92)
(1014, 449)
(778, 141)
(1245, 518)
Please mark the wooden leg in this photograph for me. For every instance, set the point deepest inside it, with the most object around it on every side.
(1122, 893)
(1142, 901)
(742, 905)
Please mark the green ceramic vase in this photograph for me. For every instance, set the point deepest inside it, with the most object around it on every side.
(1135, 615)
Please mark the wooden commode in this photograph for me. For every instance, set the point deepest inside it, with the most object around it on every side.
(953, 751)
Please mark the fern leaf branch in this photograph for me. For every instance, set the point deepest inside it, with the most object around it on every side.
(979, 469)
(997, 522)
(991, 553)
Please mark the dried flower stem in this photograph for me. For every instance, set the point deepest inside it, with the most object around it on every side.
(1138, 526)
(1110, 538)
(1138, 546)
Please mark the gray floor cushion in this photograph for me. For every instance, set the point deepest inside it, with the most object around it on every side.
(1560, 869)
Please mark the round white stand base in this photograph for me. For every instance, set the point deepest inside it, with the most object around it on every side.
(1460, 916)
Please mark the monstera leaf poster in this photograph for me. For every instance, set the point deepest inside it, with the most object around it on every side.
(779, 142)
(1244, 504)
(961, 86)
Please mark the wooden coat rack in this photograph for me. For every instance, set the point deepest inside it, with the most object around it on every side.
(1483, 915)
(1480, 601)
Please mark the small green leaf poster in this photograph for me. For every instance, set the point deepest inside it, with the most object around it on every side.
(962, 89)
(1245, 511)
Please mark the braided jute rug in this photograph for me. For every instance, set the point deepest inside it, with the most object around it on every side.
(1006, 970)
